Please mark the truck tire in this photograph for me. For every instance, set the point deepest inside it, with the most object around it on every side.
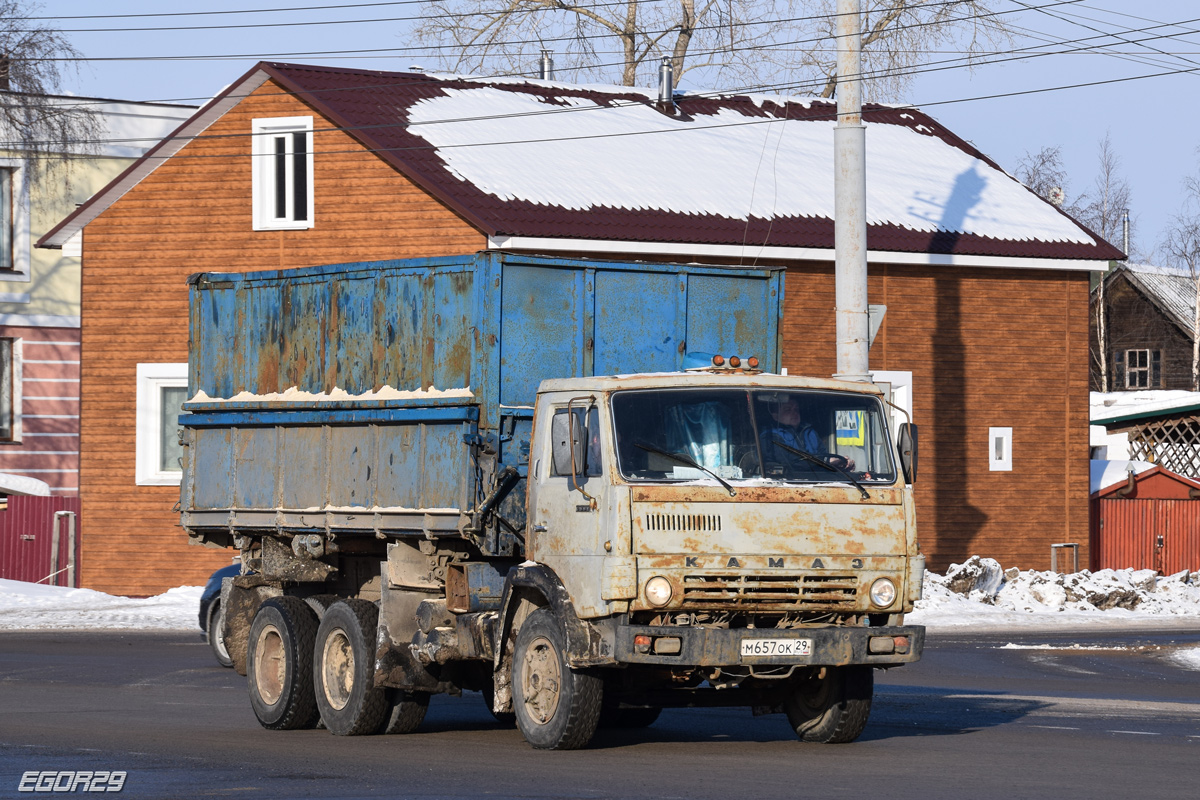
(279, 664)
(344, 670)
(406, 711)
(216, 634)
(833, 709)
(629, 718)
(557, 707)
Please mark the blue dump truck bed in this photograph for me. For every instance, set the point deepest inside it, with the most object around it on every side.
(389, 396)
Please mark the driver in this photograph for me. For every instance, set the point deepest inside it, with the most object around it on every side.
(791, 430)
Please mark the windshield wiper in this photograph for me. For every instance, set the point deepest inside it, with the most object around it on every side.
(687, 461)
(825, 464)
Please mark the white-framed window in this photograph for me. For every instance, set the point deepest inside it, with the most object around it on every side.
(1000, 449)
(161, 391)
(282, 173)
(1143, 368)
(10, 390)
(14, 221)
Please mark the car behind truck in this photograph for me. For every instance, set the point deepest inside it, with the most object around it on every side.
(547, 480)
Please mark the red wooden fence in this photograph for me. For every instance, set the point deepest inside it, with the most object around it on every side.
(27, 537)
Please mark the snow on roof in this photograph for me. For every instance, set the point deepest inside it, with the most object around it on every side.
(23, 484)
(1106, 473)
(1107, 408)
(545, 161)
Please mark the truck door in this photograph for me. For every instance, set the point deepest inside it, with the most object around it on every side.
(567, 511)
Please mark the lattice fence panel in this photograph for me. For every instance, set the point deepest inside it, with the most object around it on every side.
(1171, 443)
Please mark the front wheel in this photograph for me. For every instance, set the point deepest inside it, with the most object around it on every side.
(557, 707)
(832, 709)
(344, 670)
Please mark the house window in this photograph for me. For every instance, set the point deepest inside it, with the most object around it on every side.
(1143, 368)
(7, 218)
(1000, 449)
(282, 173)
(10, 390)
(161, 391)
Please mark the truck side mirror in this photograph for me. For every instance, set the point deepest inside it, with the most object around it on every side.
(907, 444)
(569, 437)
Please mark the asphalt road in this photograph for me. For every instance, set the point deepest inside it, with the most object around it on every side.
(974, 719)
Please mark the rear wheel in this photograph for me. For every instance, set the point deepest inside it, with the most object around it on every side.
(832, 709)
(557, 707)
(344, 670)
(406, 711)
(216, 634)
(279, 664)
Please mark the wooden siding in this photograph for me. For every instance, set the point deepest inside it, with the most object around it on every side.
(193, 214)
(48, 448)
(987, 348)
(1134, 323)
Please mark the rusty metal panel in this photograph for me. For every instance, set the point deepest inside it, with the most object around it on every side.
(541, 329)
(651, 341)
(352, 333)
(259, 333)
(726, 315)
(26, 533)
(302, 333)
(302, 481)
(214, 342)
(255, 461)
(210, 464)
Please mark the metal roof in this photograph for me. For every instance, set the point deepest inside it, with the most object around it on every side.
(1172, 292)
(966, 206)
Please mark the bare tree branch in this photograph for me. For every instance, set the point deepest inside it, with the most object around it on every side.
(36, 122)
(735, 43)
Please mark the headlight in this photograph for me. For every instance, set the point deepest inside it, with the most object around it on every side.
(658, 591)
(883, 592)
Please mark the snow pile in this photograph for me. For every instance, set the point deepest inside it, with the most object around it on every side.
(294, 394)
(980, 592)
(1189, 658)
(32, 606)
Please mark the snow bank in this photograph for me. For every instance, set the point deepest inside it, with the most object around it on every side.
(976, 594)
(979, 593)
(31, 606)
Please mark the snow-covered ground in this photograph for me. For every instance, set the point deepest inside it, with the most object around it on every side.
(30, 606)
(977, 594)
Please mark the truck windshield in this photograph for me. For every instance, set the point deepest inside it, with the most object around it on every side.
(740, 434)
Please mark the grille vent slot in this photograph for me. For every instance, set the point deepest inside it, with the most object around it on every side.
(683, 522)
(796, 591)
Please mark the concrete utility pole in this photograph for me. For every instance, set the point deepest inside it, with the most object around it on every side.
(850, 200)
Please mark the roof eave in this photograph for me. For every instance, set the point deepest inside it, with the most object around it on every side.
(209, 113)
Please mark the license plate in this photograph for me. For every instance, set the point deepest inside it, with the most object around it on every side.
(776, 647)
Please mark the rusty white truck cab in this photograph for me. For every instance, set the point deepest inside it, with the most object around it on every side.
(742, 529)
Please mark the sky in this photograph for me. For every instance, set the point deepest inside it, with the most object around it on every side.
(1151, 120)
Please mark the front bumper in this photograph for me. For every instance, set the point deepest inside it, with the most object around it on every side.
(831, 645)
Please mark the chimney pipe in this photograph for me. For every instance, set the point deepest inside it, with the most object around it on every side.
(666, 84)
(546, 66)
(1125, 232)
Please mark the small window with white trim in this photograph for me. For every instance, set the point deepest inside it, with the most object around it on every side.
(161, 393)
(1000, 449)
(14, 223)
(282, 173)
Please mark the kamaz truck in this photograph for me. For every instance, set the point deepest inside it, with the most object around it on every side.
(580, 488)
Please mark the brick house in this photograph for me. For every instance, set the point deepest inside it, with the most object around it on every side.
(984, 339)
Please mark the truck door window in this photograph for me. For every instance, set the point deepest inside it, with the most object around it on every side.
(593, 454)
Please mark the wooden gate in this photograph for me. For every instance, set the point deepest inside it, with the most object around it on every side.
(1150, 533)
(30, 550)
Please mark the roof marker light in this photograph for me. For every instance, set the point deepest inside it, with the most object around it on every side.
(752, 362)
(718, 361)
(734, 361)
